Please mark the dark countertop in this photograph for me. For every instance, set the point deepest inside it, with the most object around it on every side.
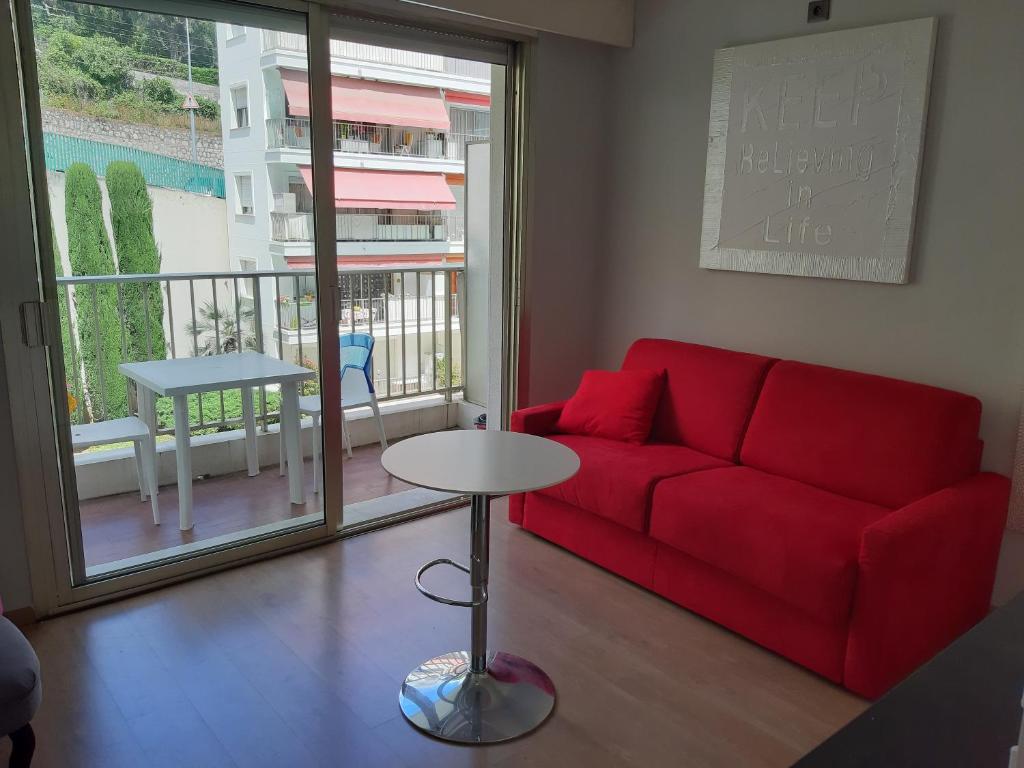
(963, 708)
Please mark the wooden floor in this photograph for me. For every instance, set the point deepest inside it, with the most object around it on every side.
(121, 526)
(297, 662)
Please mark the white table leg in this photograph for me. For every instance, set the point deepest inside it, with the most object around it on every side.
(183, 449)
(249, 418)
(290, 425)
(147, 412)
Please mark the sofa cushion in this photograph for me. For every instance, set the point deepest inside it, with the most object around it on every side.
(795, 542)
(618, 405)
(881, 440)
(616, 479)
(709, 393)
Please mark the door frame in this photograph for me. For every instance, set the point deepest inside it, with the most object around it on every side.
(33, 378)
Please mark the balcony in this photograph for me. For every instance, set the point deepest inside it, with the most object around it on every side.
(375, 54)
(415, 316)
(437, 227)
(360, 138)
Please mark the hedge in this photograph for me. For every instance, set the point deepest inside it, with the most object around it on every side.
(158, 65)
(211, 409)
(99, 325)
(131, 218)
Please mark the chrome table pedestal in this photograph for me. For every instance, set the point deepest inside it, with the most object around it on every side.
(475, 696)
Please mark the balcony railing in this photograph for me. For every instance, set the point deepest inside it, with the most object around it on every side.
(375, 54)
(415, 315)
(438, 227)
(294, 133)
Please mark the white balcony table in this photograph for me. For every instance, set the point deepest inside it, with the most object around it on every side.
(184, 376)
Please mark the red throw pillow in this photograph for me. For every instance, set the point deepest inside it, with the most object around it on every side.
(618, 405)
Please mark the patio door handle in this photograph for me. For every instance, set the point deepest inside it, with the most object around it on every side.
(34, 331)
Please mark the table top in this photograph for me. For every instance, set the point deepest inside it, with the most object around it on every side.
(480, 461)
(962, 708)
(185, 375)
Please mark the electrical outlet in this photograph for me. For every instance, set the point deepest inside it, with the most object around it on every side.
(819, 10)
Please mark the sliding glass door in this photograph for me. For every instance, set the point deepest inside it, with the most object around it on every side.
(412, 122)
(268, 244)
(185, 358)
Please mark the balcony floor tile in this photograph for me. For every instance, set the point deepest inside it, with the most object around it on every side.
(120, 526)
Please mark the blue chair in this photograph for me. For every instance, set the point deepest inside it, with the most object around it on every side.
(357, 381)
(356, 391)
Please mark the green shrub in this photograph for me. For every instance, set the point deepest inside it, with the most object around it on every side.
(208, 108)
(99, 325)
(100, 60)
(158, 65)
(131, 218)
(159, 92)
(212, 410)
(164, 97)
(57, 80)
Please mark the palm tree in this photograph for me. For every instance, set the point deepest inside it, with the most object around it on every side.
(216, 332)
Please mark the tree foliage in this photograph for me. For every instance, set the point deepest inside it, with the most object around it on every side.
(84, 67)
(99, 324)
(215, 331)
(131, 219)
(70, 373)
(156, 33)
(93, 74)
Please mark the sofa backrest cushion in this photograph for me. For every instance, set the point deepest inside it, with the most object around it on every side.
(709, 393)
(867, 437)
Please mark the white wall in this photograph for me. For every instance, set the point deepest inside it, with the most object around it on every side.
(958, 324)
(569, 116)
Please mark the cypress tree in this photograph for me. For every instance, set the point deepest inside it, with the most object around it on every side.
(99, 325)
(131, 217)
(72, 376)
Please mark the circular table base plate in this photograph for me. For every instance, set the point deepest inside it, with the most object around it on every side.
(444, 699)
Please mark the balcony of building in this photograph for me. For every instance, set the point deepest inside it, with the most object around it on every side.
(378, 141)
(415, 317)
(434, 227)
(377, 62)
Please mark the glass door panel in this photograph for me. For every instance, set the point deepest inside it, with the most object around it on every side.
(183, 247)
(404, 113)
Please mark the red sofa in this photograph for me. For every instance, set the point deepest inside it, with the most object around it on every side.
(837, 518)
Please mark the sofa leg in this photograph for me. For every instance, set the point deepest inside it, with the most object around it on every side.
(23, 742)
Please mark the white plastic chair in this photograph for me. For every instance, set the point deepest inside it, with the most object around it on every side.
(130, 428)
(354, 394)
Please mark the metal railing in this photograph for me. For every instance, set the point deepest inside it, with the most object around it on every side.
(361, 138)
(413, 314)
(439, 226)
(375, 54)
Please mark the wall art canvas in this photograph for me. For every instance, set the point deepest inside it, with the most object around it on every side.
(814, 152)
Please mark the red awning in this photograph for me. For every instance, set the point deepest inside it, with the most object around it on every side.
(461, 97)
(371, 101)
(358, 188)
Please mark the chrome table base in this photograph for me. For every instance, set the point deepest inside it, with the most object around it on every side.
(475, 697)
(442, 697)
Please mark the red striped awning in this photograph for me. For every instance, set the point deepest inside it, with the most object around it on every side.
(371, 101)
(406, 190)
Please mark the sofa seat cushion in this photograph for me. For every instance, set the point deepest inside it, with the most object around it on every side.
(793, 541)
(616, 479)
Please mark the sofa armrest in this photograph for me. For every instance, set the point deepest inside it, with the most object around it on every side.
(537, 420)
(926, 573)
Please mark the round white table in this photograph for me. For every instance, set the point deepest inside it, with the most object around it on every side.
(477, 696)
